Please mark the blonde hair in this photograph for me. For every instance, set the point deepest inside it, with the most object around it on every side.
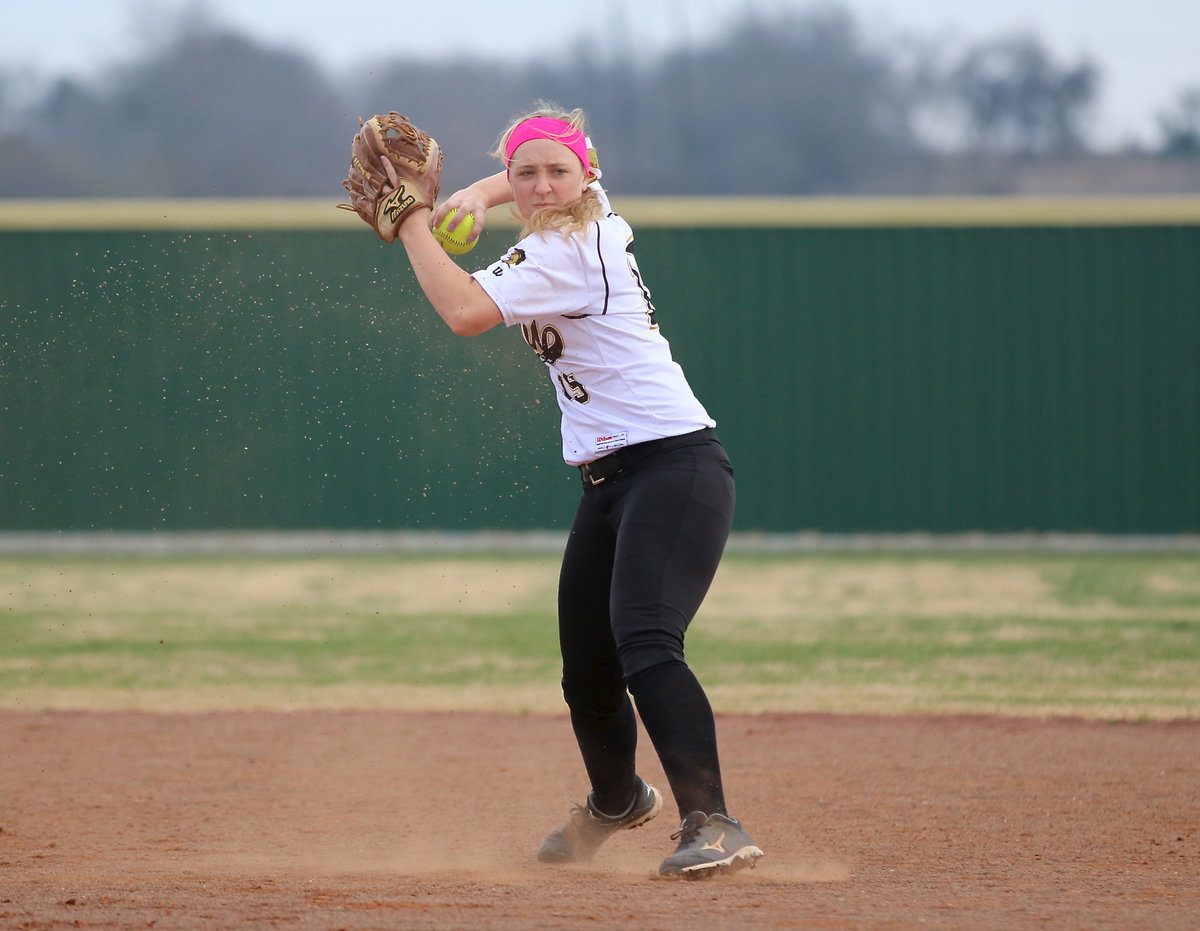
(581, 212)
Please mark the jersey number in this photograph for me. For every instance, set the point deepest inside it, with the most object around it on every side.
(572, 389)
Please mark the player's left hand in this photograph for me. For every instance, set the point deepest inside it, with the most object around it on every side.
(395, 169)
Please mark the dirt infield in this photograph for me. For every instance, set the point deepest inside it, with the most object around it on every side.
(384, 820)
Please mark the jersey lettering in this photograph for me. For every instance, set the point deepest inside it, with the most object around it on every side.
(546, 341)
(549, 345)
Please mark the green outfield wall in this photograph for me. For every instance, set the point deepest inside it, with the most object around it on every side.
(875, 366)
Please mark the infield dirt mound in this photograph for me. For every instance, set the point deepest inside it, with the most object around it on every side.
(387, 820)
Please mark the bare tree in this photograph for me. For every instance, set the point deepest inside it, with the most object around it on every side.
(1017, 100)
(210, 113)
(1180, 127)
(797, 103)
(790, 102)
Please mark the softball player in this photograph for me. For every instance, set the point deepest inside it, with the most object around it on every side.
(657, 497)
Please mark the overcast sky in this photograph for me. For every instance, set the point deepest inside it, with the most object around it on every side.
(1148, 50)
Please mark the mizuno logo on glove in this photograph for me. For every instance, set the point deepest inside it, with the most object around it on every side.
(396, 203)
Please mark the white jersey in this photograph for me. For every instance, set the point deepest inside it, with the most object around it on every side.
(582, 307)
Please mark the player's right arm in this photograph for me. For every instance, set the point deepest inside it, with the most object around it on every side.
(458, 298)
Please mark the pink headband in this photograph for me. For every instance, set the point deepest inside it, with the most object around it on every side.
(542, 127)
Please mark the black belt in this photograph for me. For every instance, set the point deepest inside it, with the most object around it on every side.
(604, 468)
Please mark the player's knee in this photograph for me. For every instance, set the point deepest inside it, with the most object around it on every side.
(637, 658)
(592, 696)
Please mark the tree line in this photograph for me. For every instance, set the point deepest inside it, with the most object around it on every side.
(796, 103)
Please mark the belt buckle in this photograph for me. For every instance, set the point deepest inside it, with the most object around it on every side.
(586, 468)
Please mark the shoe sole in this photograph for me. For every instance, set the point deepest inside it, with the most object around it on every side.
(649, 815)
(746, 857)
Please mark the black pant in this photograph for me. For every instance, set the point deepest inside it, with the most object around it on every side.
(642, 553)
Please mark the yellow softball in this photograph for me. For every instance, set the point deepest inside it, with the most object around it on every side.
(455, 241)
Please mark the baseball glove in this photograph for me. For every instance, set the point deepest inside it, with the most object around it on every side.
(394, 168)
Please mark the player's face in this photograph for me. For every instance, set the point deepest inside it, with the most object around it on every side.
(544, 173)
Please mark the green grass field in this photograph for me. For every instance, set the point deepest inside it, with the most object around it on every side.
(1104, 635)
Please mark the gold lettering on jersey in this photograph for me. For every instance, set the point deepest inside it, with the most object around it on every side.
(546, 341)
(572, 389)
